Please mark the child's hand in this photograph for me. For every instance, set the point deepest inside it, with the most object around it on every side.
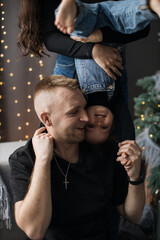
(129, 155)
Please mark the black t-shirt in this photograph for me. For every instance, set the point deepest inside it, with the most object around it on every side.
(80, 212)
(56, 41)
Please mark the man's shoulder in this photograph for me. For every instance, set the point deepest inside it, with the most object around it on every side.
(25, 152)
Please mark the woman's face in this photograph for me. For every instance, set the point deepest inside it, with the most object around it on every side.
(99, 124)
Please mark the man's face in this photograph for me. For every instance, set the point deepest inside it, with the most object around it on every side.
(99, 124)
(68, 115)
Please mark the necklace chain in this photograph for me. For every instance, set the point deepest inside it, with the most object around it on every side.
(64, 174)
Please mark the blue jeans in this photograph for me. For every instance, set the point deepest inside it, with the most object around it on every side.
(64, 66)
(123, 16)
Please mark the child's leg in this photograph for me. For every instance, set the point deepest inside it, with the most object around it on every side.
(64, 66)
(65, 16)
(123, 16)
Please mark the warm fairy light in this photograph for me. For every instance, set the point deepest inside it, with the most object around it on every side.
(143, 147)
(29, 96)
(0, 124)
(3, 12)
(143, 102)
(8, 60)
(19, 128)
(1, 83)
(151, 135)
(158, 105)
(16, 101)
(18, 114)
(2, 41)
(31, 55)
(0, 96)
(40, 62)
(142, 119)
(1, 4)
(150, 114)
(4, 33)
(142, 115)
(14, 87)
(2, 18)
(11, 74)
(29, 83)
(28, 110)
(20, 140)
(138, 127)
(1, 69)
(0, 110)
(26, 136)
(2, 27)
(2, 55)
(27, 123)
(30, 69)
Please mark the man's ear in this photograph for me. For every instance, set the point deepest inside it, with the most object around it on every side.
(45, 118)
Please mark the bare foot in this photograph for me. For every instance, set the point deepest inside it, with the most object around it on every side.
(65, 16)
(155, 6)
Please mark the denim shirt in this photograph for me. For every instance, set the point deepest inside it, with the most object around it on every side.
(92, 78)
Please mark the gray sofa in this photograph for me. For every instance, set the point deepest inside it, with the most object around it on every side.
(5, 150)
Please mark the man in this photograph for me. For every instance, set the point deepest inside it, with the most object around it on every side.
(62, 187)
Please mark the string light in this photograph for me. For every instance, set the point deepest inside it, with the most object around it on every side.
(7, 60)
(143, 147)
(143, 102)
(138, 127)
(151, 135)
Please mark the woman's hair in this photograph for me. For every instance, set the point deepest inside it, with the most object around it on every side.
(30, 38)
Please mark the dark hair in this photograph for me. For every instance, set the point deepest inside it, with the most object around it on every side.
(30, 38)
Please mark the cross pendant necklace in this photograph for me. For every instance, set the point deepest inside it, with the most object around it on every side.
(64, 174)
(65, 182)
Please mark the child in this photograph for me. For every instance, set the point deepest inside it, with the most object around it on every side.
(105, 13)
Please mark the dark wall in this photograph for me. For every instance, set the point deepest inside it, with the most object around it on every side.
(143, 59)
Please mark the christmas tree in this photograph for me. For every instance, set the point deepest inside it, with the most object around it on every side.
(147, 125)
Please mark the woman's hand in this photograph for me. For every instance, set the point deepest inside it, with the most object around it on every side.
(108, 58)
(96, 36)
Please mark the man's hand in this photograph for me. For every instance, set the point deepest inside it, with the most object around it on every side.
(96, 36)
(108, 58)
(42, 145)
(129, 155)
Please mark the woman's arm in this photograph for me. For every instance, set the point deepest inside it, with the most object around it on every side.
(110, 35)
